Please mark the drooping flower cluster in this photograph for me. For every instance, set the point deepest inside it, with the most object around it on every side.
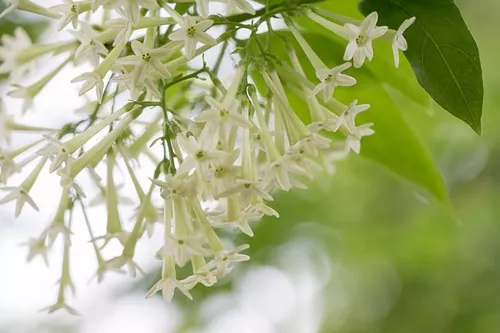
(223, 156)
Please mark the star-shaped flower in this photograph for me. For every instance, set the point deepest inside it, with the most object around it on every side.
(90, 47)
(21, 196)
(91, 80)
(360, 39)
(70, 11)
(398, 40)
(146, 60)
(332, 78)
(167, 286)
(223, 114)
(192, 33)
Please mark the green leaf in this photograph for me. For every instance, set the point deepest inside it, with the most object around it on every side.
(442, 53)
(394, 144)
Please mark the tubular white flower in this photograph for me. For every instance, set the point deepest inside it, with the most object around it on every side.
(347, 118)
(222, 264)
(333, 27)
(90, 48)
(146, 60)
(58, 226)
(360, 39)
(94, 78)
(28, 6)
(243, 5)
(167, 286)
(21, 193)
(13, 47)
(37, 247)
(60, 152)
(97, 152)
(70, 11)
(332, 78)
(353, 141)
(317, 63)
(397, 39)
(192, 33)
(200, 152)
(124, 27)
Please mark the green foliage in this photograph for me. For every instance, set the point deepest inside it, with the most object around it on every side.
(442, 53)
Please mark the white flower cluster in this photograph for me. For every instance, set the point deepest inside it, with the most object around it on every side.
(224, 156)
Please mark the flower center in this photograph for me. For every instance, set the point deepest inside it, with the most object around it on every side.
(191, 31)
(146, 57)
(219, 172)
(200, 154)
(223, 113)
(74, 9)
(180, 241)
(362, 40)
(247, 185)
(328, 78)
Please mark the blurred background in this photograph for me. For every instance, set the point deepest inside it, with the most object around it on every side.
(360, 252)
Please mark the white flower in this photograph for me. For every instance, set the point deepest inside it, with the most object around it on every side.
(353, 141)
(201, 152)
(192, 33)
(278, 174)
(224, 173)
(5, 122)
(347, 118)
(37, 247)
(124, 26)
(244, 5)
(182, 248)
(61, 305)
(332, 78)
(207, 279)
(240, 222)
(247, 190)
(168, 285)
(360, 39)
(7, 167)
(146, 60)
(131, 8)
(304, 161)
(70, 11)
(258, 209)
(221, 265)
(59, 153)
(398, 40)
(311, 144)
(91, 80)
(24, 93)
(21, 196)
(179, 184)
(331, 158)
(202, 6)
(223, 114)
(116, 263)
(90, 47)
(12, 47)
